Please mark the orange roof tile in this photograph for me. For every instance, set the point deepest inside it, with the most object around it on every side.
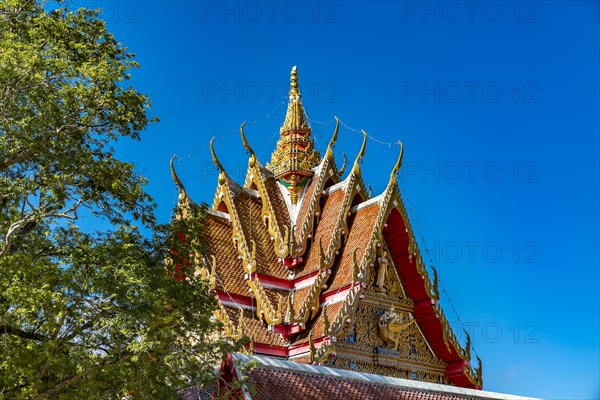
(249, 210)
(276, 198)
(361, 225)
(219, 241)
(308, 195)
(317, 326)
(324, 231)
(253, 327)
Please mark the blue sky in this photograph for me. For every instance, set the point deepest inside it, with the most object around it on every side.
(497, 105)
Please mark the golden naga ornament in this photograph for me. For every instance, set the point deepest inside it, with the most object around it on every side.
(295, 156)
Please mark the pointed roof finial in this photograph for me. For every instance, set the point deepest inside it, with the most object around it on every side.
(329, 152)
(183, 196)
(398, 162)
(295, 156)
(294, 82)
(217, 162)
(295, 118)
(176, 179)
(247, 146)
(361, 154)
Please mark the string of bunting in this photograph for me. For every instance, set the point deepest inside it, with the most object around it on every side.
(235, 130)
(256, 121)
(353, 130)
(424, 244)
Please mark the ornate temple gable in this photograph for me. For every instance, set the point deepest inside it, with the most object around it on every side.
(332, 224)
(327, 240)
(424, 291)
(294, 158)
(386, 339)
(224, 202)
(309, 208)
(364, 325)
(303, 303)
(252, 242)
(383, 336)
(274, 212)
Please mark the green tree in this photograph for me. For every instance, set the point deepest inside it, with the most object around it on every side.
(87, 314)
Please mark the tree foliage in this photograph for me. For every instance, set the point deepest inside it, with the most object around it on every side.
(87, 314)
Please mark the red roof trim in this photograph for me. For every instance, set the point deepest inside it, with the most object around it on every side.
(236, 300)
(338, 295)
(396, 234)
(269, 350)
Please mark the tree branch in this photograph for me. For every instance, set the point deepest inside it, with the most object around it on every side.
(71, 213)
(11, 330)
(61, 385)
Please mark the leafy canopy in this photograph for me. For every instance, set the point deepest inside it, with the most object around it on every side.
(87, 314)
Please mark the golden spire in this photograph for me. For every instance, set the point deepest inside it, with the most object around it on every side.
(295, 155)
(295, 118)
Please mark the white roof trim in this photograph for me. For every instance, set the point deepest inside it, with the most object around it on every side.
(365, 204)
(293, 209)
(376, 379)
(233, 304)
(251, 192)
(219, 214)
(336, 187)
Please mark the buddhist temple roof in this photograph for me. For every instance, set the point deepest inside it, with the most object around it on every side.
(273, 379)
(308, 267)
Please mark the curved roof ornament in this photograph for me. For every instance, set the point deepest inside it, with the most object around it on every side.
(176, 179)
(247, 146)
(183, 196)
(361, 154)
(343, 169)
(398, 163)
(217, 162)
(329, 152)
